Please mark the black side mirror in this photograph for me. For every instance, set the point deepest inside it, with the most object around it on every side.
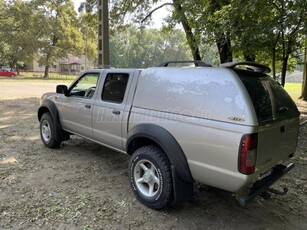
(62, 89)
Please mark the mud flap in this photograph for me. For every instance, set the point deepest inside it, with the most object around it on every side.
(183, 191)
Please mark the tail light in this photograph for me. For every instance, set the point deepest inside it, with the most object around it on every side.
(248, 153)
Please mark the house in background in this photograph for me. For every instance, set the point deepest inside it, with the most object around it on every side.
(70, 65)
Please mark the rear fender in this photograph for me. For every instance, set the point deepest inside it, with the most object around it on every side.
(182, 178)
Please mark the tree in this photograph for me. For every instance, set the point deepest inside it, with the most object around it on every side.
(146, 47)
(249, 30)
(194, 20)
(18, 32)
(180, 15)
(140, 11)
(88, 28)
(61, 34)
(292, 18)
(304, 85)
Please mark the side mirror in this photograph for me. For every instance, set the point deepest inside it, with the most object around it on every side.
(62, 89)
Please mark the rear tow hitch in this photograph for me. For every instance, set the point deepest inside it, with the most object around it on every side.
(262, 187)
(267, 194)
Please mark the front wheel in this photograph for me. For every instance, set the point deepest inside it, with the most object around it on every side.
(48, 131)
(150, 177)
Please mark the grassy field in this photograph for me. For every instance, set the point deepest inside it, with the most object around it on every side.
(294, 89)
(38, 77)
(52, 76)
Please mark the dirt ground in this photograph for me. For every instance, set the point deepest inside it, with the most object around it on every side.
(85, 186)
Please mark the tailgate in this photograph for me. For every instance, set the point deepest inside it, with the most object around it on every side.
(276, 141)
(278, 119)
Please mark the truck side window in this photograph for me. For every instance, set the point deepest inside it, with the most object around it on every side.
(85, 87)
(115, 87)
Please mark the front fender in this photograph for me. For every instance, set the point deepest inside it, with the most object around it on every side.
(46, 106)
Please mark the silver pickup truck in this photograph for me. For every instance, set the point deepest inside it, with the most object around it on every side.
(230, 127)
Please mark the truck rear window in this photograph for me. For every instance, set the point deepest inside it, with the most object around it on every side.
(270, 100)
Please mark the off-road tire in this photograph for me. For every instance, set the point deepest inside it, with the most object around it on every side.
(48, 131)
(160, 169)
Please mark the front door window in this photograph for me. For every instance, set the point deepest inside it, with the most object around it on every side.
(85, 87)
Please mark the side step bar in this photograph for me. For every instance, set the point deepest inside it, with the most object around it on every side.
(264, 184)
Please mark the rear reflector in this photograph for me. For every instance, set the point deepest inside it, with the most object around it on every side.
(248, 153)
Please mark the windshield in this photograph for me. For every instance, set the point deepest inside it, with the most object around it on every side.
(270, 100)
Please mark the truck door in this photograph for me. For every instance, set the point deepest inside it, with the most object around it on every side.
(109, 107)
(75, 110)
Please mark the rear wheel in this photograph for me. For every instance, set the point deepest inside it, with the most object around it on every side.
(48, 131)
(150, 177)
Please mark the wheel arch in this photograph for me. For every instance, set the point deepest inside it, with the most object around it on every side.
(49, 106)
(151, 134)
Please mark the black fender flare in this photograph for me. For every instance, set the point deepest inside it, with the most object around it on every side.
(49, 106)
(182, 177)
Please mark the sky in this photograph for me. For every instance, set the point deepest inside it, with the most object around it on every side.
(157, 16)
(77, 4)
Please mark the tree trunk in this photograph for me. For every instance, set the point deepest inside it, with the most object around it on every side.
(224, 47)
(250, 57)
(222, 39)
(304, 86)
(46, 75)
(188, 31)
(17, 70)
(274, 63)
(284, 69)
(15, 64)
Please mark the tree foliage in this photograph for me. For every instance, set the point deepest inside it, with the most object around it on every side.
(47, 29)
(240, 29)
(267, 31)
(61, 34)
(17, 34)
(146, 47)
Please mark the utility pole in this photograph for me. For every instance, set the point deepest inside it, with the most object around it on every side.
(103, 34)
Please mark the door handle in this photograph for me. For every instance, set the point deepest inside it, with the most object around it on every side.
(88, 106)
(116, 112)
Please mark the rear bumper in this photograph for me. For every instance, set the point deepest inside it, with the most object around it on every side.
(265, 183)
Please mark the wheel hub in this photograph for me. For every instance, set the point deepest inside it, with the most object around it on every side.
(148, 177)
(46, 132)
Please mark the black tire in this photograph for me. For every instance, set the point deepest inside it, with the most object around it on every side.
(158, 177)
(48, 131)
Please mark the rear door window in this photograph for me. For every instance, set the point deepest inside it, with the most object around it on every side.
(115, 87)
(270, 100)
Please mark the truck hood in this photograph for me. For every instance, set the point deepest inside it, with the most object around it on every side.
(48, 96)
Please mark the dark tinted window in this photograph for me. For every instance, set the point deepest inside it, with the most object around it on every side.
(270, 100)
(115, 87)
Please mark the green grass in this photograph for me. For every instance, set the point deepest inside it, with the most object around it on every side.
(38, 77)
(52, 76)
(294, 90)
(23, 79)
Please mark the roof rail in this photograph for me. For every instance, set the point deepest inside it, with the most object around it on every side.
(250, 66)
(196, 62)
